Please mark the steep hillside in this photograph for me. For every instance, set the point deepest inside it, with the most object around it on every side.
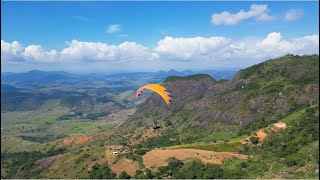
(254, 98)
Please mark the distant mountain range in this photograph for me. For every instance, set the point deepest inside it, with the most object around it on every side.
(52, 76)
(36, 76)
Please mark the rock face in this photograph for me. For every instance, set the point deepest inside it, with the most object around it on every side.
(263, 92)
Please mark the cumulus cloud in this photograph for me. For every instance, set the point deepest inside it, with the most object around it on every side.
(188, 48)
(15, 51)
(11, 51)
(79, 50)
(259, 12)
(221, 52)
(200, 52)
(97, 51)
(113, 28)
(36, 52)
(293, 14)
(274, 43)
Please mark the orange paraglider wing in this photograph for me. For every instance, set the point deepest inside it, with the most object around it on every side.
(162, 91)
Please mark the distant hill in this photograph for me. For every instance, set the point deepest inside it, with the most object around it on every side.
(254, 98)
(36, 76)
(7, 87)
(196, 77)
(164, 74)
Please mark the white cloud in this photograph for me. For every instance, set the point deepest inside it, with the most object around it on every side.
(113, 28)
(97, 51)
(187, 48)
(16, 52)
(306, 45)
(275, 44)
(133, 51)
(10, 51)
(79, 50)
(36, 52)
(196, 52)
(293, 14)
(224, 52)
(259, 12)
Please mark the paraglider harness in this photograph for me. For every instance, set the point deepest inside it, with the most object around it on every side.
(154, 126)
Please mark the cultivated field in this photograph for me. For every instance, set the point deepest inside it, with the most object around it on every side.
(126, 165)
(156, 158)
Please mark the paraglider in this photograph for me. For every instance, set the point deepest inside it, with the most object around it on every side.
(162, 91)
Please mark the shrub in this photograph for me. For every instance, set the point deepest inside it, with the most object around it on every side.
(124, 175)
(141, 152)
(174, 162)
(101, 172)
(254, 140)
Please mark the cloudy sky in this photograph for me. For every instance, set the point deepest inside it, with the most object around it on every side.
(150, 36)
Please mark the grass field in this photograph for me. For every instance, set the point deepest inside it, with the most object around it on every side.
(25, 130)
(76, 163)
(217, 147)
(293, 116)
(220, 136)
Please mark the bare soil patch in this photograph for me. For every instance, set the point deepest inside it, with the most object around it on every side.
(280, 125)
(84, 139)
(156, 158)
(245, 140)
(126, 165)
(261, 135)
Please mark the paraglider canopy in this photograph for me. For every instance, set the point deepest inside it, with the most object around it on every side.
(162, 91)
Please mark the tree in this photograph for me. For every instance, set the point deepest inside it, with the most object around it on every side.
(174, 162)
(138, 172)
(141, 151)
(101, 172)
(148, 174)
(124, 175)
(139, 175)
(254, 140)
(198, 170)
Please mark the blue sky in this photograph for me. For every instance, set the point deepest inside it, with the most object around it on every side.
(53, 26)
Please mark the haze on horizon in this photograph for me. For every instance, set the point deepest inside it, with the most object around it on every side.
(110, 37)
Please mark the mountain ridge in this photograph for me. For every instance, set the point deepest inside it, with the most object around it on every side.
(256, 95)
